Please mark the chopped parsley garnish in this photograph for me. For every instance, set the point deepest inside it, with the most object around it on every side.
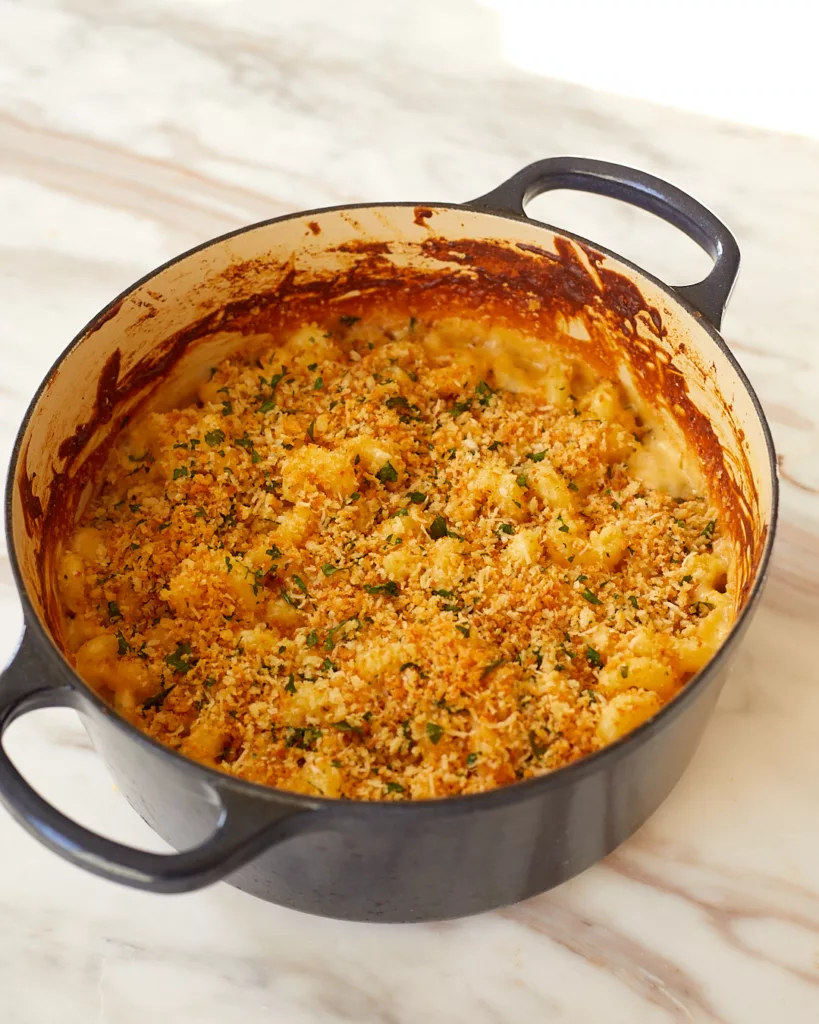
(506, 528)
(632, 600)
(300, 584)
(304, 737)
(123, 647)
(438, 528)
(328, 569)
(416, 497)
(471, 759)
(484, 392)
(396, 402)
(538, 749)
(312, 638)
(563, 528)
(522, 481)
(311, 429)
(490, 668)
(179, 660)
(214, 438)
(710, 527)
(348, 321)
(290, 685)
(624, 671)
(536, 456)
(113, 611)
(688, 579)
(273, 552)
(435, 732)
(318, 384)
(444, 593)
(179, 472)
(158, 699)
(495, 446)
(416, 666)
(590, 597)
(394, 787)
(593, 657)
(387, 473)
(464, 630)
(390, 588)
(461, 407)
(135, 508)
(572, 485)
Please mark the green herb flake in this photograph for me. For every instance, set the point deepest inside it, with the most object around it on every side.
(632, 600)
(113, 611)
(506, 528)
(387, 473)
(310, 430)
(214, 438)
(348, 321)
(484, 392)
(157, 700)
(328, 569)
(709, 530)
(135, 508)
(390, 588)
(417, 498)
(394, 787)
(495, 446)
(624, 671)
(435, 732)
(461, 407)
(593, 657)
(536, 456)
(464, 630)
(414, 665)
(290, 685)
(179, 660)
(300, 584)
(312, 638)
(438, 528)
(522, 481)
(590, 597)
(123, 647)
(179, 472)
(471, 759)
(489, 669)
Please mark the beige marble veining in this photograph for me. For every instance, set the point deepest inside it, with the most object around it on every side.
(132, 130)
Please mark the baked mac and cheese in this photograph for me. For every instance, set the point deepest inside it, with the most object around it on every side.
(383, 560)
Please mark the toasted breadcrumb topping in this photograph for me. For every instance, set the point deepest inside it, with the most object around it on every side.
(371, 561)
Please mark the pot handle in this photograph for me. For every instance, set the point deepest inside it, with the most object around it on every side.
(709, 296)
(245, 828)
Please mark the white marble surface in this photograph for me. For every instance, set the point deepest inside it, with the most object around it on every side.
(130, 130)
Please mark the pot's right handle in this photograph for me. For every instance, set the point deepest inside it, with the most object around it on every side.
(247, 826)
(710, 296)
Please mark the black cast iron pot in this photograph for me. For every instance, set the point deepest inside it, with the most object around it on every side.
(410, 861)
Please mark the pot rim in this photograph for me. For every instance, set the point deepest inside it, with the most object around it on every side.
(462, 803)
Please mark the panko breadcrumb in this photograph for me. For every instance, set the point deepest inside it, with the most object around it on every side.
(372, 563)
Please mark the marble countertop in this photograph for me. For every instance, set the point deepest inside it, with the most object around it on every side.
(130, 131)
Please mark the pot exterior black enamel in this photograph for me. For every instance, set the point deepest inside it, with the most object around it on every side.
(396, 861)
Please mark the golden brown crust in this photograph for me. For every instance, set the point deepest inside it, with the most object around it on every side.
(366, 565)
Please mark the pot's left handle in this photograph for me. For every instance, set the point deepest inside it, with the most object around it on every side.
(245, 828)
